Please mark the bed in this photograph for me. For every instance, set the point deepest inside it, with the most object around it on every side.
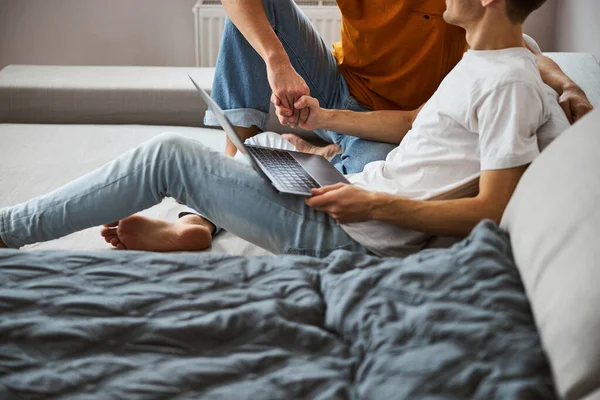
(451, 323)
(445, 323)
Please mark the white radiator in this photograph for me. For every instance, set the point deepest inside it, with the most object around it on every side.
(209, 18)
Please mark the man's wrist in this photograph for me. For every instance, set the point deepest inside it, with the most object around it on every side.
(326, 119)
(382, 205)
(570, 86)
(277, 59)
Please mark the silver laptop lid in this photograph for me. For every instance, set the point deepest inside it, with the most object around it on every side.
(220, 115)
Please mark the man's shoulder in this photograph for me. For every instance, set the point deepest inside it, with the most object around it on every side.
(501, 73)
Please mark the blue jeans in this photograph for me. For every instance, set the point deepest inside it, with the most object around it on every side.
(242, 89)
(228, 192)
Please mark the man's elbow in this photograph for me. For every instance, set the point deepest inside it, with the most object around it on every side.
(492, 209)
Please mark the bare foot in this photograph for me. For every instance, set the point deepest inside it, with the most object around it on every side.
(145, 234)
(243, 133)
(305, 147)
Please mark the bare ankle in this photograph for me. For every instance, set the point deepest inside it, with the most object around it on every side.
(194, 219)
(2, 245)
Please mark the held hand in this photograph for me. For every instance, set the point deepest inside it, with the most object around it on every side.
(287, 86)
(345, 203)
(575, 103)
(311, 114)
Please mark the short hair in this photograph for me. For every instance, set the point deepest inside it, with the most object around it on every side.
(519, 10)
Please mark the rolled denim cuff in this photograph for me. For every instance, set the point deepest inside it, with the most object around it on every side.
(192, 212)
(242, 117)
(4, 232)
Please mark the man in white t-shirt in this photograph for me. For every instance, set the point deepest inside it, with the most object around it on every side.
(480, 126)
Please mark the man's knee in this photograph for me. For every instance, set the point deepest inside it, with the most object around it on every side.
(273, 11)
(171, 144)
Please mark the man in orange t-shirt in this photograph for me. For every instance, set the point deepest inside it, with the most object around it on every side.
(393, 55)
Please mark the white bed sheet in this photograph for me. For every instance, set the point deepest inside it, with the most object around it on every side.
(35, 159)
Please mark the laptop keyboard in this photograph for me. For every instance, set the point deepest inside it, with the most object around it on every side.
(284, 168)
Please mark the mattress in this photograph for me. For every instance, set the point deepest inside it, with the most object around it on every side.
(446, 324)
(36, 159)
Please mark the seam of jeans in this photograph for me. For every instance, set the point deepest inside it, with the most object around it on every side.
(4, 232)
(281, 36)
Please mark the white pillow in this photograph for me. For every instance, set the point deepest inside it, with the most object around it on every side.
(554, 223)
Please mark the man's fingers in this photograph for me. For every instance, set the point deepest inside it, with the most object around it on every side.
(566, 106)
(304, 114)
(323, 197)
(290, 106)
(581, 111)
(325, 189)
(275, 100)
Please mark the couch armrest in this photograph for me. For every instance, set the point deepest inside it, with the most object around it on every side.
(102, 95)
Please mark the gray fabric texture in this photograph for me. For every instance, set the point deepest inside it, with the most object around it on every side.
(449, 324)
(102, 95)
(554, 222)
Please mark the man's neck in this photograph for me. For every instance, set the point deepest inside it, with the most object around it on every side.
(494, 34)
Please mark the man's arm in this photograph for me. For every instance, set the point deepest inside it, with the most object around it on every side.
(250, 18)
(572, 99)
(381, 126)
(348, 204)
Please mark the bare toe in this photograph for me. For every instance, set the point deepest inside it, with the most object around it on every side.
(109, 238)
(112, 225)
(107, 232)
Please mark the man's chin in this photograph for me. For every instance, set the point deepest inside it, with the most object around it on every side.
(449, 18)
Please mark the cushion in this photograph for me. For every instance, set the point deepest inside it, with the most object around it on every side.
(584, 69)
(102, 95)
(554, 223)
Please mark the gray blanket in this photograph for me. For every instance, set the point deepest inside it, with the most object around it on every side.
(448, 324)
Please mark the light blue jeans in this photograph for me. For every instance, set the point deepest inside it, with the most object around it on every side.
(242, 89)
(228, 192)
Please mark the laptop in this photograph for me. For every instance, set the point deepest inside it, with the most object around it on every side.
(288, 171)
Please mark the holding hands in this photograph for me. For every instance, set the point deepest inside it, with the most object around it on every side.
(288, 87)
(310, 113)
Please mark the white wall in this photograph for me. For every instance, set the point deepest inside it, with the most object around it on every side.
(578, 26)
(540, 25)
(160, 32)
(97, 32)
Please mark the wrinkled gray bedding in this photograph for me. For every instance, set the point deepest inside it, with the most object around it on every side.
(442, 324)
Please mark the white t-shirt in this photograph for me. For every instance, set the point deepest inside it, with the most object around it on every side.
(484, 116)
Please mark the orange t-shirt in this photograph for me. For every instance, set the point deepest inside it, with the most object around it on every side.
(395, 53)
